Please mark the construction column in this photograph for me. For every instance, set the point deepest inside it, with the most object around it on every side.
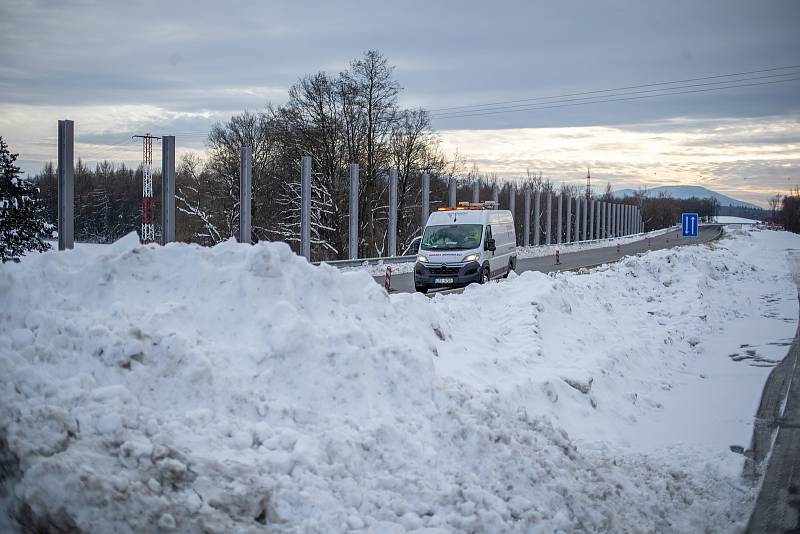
(560, 215)
(526, 222)
(168, 189)
(66, 185)
(353, 237)
(426, 199)
(305, 208)
(537, 218)
(392, 213)
(568, 237)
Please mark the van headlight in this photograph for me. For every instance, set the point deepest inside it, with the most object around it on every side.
(422, 258)
(471, 257)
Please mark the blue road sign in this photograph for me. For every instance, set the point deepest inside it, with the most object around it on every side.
(689, 224)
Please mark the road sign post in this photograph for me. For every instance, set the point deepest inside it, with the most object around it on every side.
(689, 224)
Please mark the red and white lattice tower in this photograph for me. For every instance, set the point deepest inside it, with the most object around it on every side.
(148, 206)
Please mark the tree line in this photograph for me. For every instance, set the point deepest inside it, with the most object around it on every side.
(351, 117)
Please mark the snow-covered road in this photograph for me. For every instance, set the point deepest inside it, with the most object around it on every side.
(240, 389)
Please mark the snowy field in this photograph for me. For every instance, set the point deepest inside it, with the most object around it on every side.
(730, 219)
(240, 389)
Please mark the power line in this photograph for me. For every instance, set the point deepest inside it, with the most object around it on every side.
(743, 73)
(627, 93)
(479, 113)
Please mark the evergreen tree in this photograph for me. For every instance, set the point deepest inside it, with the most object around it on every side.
(22, 219)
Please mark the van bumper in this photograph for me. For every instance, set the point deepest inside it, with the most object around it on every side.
(433, 274)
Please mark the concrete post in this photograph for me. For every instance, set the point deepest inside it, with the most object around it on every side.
(560, 216)
(352, 242)
(526, 222)
(628, 212)
(451, 199)
(602, 227)
(305, 208)
(591, 204)
(66, 184)
(585, 218)
(245, 192)
(496, 196)
(476, 192)
(577, 218)
(537, 218)
(168, 189)
(512, 201)
(392, 249)
(426, 199)
(614, 209)
(568, 237)
(549, 223)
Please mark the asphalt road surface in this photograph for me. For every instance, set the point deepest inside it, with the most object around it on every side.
(776, 435)
(404, 282)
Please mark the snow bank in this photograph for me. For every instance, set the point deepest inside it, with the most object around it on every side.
(240, 389)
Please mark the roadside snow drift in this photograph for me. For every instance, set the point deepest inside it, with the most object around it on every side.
(240, 389)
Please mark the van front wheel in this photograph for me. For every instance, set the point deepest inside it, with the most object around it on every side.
(484, 275)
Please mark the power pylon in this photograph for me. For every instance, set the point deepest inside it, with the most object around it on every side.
(148, 206)
(588, 184)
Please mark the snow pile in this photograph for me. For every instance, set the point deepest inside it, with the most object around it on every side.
(241, 389)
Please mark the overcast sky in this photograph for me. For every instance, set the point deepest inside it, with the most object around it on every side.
(119, 68)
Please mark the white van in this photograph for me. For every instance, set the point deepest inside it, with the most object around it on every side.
(465, 244)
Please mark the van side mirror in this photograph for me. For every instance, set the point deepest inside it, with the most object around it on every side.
(490, 245)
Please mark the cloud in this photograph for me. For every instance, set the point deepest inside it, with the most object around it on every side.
(752, 159)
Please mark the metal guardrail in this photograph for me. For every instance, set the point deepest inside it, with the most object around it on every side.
(388, 260)
(369, 261)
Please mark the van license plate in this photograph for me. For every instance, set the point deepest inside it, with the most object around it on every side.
(443, 280)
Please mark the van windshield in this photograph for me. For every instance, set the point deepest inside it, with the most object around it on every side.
(452, 237)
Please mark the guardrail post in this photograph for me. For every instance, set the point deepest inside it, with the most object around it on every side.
(476, 192)
(496, 196)
(168, 189)
(426, 198)
(245, 193)
(537, 218)
(549, 225)
(353, 234)
(526, 222)
(66, 184)
(305, 208)
(560, 215)
(451, 199)
(392, 248)
(568, 237)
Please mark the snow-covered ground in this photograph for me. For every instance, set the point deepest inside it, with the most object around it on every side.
(523, 252)
(240, 389)
(730, 219)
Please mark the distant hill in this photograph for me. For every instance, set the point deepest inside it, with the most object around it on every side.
(688, 191)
